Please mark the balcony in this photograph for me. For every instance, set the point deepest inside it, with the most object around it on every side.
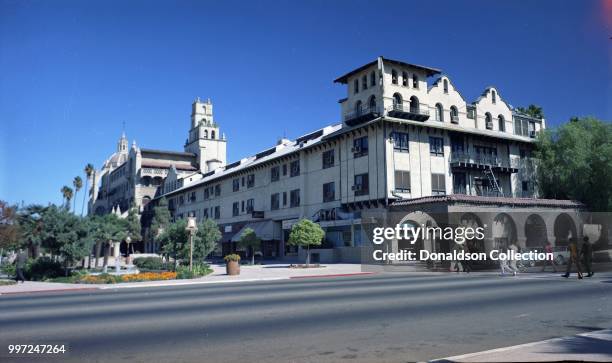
(480, 161)
(363, 114)
(408, 112)
(481, 192)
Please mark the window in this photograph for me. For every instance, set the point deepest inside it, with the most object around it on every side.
(493, 96)
(242, 181)
(206, 134)
(249, 205)
(397, 101)
(439, 112)
(362, 185)
(284, 169)
(471, 113)
(274, 173)
(454, 114)
(358, 108)
(436, 146)
(181, 200)
(235, 209)
(402, 181)
(328, 159)
(217, 190)
(236, 184)
(393, 76)
(372, 79)
(501, 123)
(414, 104)
(400, 141)
(192, 197)
(372, 103)
(206, 193)
(360, 146)
(356, 85)
(525, 186)
(284, 198)
(295, 168)
(488, 121)
(217, 212)
(329, 192)
(438, 184)
(205, 213)
(404, 79)
(250, 180)
(415, 81)
(242, 206)
(212, 134)
(364, 82)
(445, 86)
(294, 198)
(275, 201)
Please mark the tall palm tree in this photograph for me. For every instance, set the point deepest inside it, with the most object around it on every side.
(78, 184)
(89, 170)
(67, 196)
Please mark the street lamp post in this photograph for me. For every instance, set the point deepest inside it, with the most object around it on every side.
(192, 227)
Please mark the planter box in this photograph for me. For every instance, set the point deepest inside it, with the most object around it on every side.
(233, 268)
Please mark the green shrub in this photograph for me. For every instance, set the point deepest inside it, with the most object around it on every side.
(8, 269)
(43, 268)
(232, 257)
(199, 270)
(149, 263)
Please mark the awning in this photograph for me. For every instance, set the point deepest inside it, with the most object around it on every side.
(265, 230)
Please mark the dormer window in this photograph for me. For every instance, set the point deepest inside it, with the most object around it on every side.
(394, 76)
(445, 86)
(415, 81)
(493, 96)
(364, 82)
(404, 79)
(356, 85)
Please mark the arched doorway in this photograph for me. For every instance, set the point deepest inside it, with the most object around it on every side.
(504, 231)
(473, 221)
(535, 231)
(414, 104)
(564, 229)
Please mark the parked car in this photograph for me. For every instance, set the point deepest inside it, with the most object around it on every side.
(561, 254)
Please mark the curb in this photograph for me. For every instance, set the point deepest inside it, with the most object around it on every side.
(50, 290)
(332, 275)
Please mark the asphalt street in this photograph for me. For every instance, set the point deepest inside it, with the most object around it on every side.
(375, 318)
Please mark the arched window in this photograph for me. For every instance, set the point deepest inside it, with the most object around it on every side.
(356, 85)
(439, 112)
(206, 134)
(445, 86)
(415, 81)
(404, 79)
(414, 104)
(454, 114)
(488, 121)
(212, 134)
(502, 123)
(397, 101)
(364, 82)
(372, 103)
(357, 108)
(372, 79)
(393, 76)
(493, 96)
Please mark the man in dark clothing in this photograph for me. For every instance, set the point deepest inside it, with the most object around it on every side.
(586, 252)
(573, 258)
(20, 263)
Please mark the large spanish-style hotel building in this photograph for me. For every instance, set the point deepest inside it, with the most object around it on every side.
(407, 142)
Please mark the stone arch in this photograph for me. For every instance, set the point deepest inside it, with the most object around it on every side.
(504, 231)
(535, 231)
(564, 229)
(473, 221)
(417, 219)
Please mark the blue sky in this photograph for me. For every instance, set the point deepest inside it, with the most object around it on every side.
(71, 72)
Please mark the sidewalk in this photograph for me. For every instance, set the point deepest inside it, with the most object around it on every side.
(268, 272)
(594, 346)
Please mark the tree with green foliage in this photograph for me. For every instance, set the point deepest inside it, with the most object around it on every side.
(89, 170)
(175, 240)
(108, 229)
(9, 227)
(306, 233)
(78, 184)
(30, 227)
(574, 161)
(250, 241)
(66, 196)
(532, 110)
(133, 227)
(160, 220)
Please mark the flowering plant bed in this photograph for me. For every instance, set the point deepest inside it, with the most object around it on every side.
(114, 279)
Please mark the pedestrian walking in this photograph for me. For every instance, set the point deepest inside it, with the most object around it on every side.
(511, 261)
(586, 252)
(548, 248)
(456, 264)
(574, 259)
(467, 267)
(20, 263)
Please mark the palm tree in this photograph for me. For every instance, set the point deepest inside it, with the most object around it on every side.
(89, 170)
(78, 184)
(66, 196)
(532, 110)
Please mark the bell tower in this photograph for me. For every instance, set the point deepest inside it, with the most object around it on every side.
(205, 139)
